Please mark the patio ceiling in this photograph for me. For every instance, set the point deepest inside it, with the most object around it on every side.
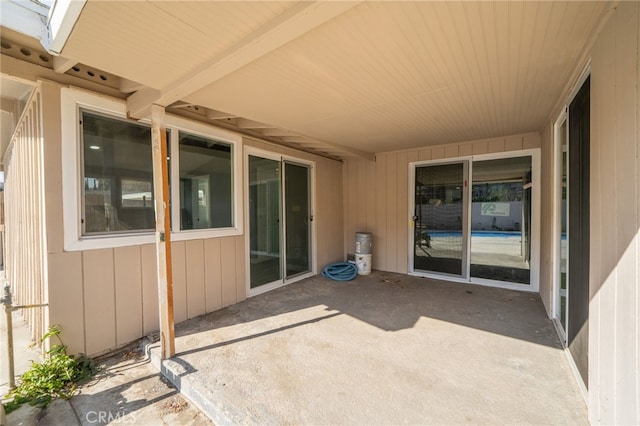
(344, 78)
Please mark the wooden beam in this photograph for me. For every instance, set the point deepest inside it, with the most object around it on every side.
(213, 114)
(163, 231)
(141, 108)
(129, 86)
(291, 24)
(276, 132)
(244, 123)
(30, 72)
(62, 65)
(300, 139)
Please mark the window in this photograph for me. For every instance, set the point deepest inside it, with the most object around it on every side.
(206, 183)
(107, 178)
(118, 175)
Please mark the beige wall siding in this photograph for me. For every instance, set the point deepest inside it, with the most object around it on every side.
(614, 322)
(376, 195)
(108, 297)
(128, 293)
(25, 215)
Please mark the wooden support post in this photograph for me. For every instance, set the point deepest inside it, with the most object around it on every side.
(163, 231)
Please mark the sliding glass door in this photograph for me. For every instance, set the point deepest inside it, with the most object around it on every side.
(474, 219)
(298, 219)
(265, 217)
(501, 220)
(440, 218)
(280, 218)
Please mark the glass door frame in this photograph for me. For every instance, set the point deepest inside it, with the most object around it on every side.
(466, 164)
(282, 159)
(558, 150)
(534, 285)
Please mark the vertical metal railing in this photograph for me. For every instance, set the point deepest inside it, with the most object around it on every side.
(9, 308)
(24, 215)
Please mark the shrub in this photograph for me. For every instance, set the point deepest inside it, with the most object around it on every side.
(55, 377)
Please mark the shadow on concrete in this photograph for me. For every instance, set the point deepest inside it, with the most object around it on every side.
(189, 369)
(393, 302)
(382, 349)
(127, 391)
(104, 403)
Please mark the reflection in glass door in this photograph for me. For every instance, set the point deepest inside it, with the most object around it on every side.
(297, 218)
(501, 220)
(264, 221)
(562, 243)
(440, 218)
(280, 218)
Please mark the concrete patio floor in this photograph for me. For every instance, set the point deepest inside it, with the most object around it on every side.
(383, 349)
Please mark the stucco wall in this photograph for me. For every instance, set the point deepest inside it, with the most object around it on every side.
(376, 194)
(106, 298)
(614, 311)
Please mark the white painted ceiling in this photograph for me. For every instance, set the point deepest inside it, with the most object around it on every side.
(378, 76)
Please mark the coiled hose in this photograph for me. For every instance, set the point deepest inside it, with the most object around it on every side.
(343, 271)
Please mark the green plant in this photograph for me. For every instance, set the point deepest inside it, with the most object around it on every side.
(55, 377)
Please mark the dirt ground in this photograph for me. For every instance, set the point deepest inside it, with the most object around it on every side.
(127, 390)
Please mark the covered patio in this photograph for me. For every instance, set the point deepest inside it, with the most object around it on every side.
(383, 349)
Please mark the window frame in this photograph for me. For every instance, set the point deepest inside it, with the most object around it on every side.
(116, 182)
(72, 101)
(177, 124)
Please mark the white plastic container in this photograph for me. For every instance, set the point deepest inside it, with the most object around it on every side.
(363, 262)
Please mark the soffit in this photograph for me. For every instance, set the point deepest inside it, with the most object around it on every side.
(391, 76)
(381, 76)
(155, 41)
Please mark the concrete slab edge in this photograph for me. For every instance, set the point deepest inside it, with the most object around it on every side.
(189, 387)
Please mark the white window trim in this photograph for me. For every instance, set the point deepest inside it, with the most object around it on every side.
(72, 100)
(176, 124)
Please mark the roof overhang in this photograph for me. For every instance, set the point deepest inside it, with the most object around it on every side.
(343, 78)
(61, 19)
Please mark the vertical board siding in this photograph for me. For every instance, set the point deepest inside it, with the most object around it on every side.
(212, 275)
(99, 300)
(496, 146)
(179, 270)
(128, 284)
(513, 143)
(195, 278)
(150, 318)
(66, 299)
(329, 219)
(228, 270)
(380, 232)
(614, 325)
(626, 165)
(25, 222)
(385, 209)
(391, 206)
(403, 209)
(241, 283)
